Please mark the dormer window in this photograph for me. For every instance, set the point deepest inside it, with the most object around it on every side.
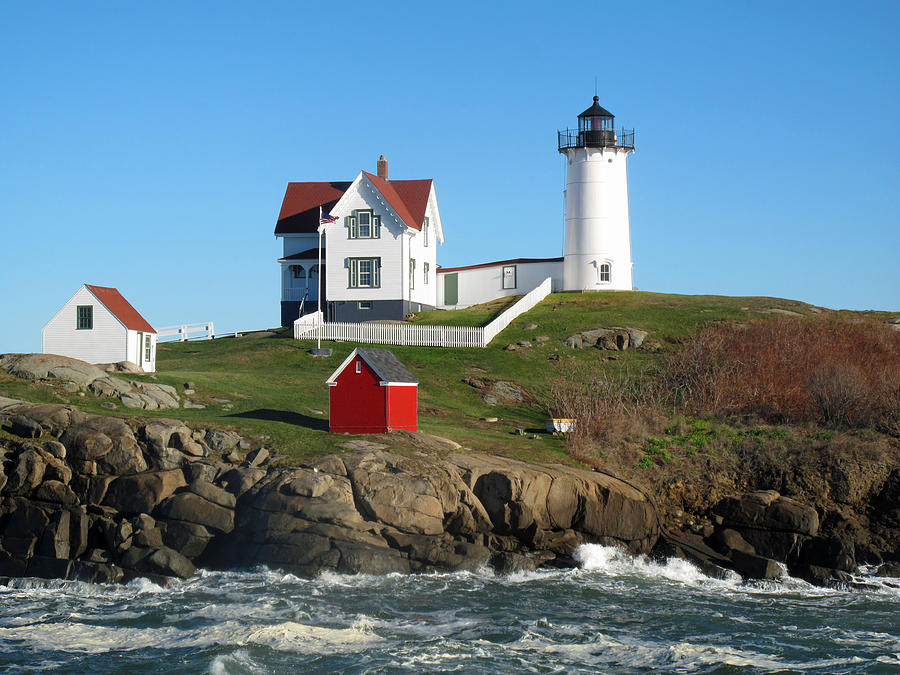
(364, 224)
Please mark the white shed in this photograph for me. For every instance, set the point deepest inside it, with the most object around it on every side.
(98, 325)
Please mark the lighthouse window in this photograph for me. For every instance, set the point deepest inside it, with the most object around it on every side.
(604, 272)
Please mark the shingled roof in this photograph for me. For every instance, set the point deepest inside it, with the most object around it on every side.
(387, 366)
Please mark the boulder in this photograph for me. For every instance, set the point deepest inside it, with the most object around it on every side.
(28, 471)
(27, 520)
(220, 441)
(830, 552)
(754, 566)
(412, 504)
(192, 508)
(54, 542)
(24, 427)
(87, 443)
(768, 510)
(110, 387)
(256, 458)
(212, 493)
(189, 539)
(55, 449)
(155, 396)
(53, 418)
(239, 480)
(170, 563)
(143, 492)
(56, 492)
(50, 366)
(45, 567)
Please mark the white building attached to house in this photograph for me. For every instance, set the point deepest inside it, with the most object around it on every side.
(379, 253)
(98, 325)
(460, 287)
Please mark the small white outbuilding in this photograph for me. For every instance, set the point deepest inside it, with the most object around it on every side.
(98, 325)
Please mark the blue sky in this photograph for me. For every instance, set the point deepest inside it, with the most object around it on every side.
(148, 146)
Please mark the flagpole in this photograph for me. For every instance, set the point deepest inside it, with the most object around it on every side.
(319, 285)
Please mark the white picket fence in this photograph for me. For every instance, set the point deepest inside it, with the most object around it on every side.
(309, 327)
(187, 331)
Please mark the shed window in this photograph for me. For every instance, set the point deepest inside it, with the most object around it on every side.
(85, 317)
(358, 366)
(146, 348)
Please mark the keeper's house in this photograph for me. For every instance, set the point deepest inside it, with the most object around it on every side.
(371, 392)
(98, 325)
(378, 248)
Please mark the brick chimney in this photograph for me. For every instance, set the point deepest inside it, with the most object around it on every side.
(382, 168)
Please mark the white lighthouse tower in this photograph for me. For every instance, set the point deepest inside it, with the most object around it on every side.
(598, 235)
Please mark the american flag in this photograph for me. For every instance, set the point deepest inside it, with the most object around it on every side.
(326, 218)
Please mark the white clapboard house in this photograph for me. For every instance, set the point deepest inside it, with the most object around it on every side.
(378, 252)
(98, 325)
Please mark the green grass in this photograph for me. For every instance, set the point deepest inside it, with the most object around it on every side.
(279, 396)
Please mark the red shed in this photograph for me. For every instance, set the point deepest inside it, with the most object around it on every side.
(371, 392)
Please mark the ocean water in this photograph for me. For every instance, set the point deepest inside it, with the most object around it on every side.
(616, 613)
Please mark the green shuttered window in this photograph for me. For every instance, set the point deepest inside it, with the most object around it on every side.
(85, 320)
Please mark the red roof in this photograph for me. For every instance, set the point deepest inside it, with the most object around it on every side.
(300, 208)
(516, 261)
(115, 303)
(408, 198)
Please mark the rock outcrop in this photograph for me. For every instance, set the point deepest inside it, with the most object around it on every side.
(615, 338)
(101, 499)
(97, 499)
(77, 376)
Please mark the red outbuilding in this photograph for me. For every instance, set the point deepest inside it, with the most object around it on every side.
(371, 392)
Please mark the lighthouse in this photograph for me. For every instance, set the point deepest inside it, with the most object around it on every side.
(597, 252)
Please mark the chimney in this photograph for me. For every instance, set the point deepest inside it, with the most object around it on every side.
(382, 168)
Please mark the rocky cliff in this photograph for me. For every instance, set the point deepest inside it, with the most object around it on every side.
(101, 499)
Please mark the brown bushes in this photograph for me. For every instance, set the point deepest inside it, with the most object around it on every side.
(786, 370)
(609, 405)
(825, 370)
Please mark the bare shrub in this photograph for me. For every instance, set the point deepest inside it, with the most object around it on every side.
(839, 392)
(609, 405)
(839, 372)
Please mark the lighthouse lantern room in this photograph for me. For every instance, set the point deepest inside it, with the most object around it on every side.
(597, 252)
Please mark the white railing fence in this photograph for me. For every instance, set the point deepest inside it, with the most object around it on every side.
(307, 327)
(187, 331)
(525, 303)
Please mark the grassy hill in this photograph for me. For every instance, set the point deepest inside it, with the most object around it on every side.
(271, 390)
